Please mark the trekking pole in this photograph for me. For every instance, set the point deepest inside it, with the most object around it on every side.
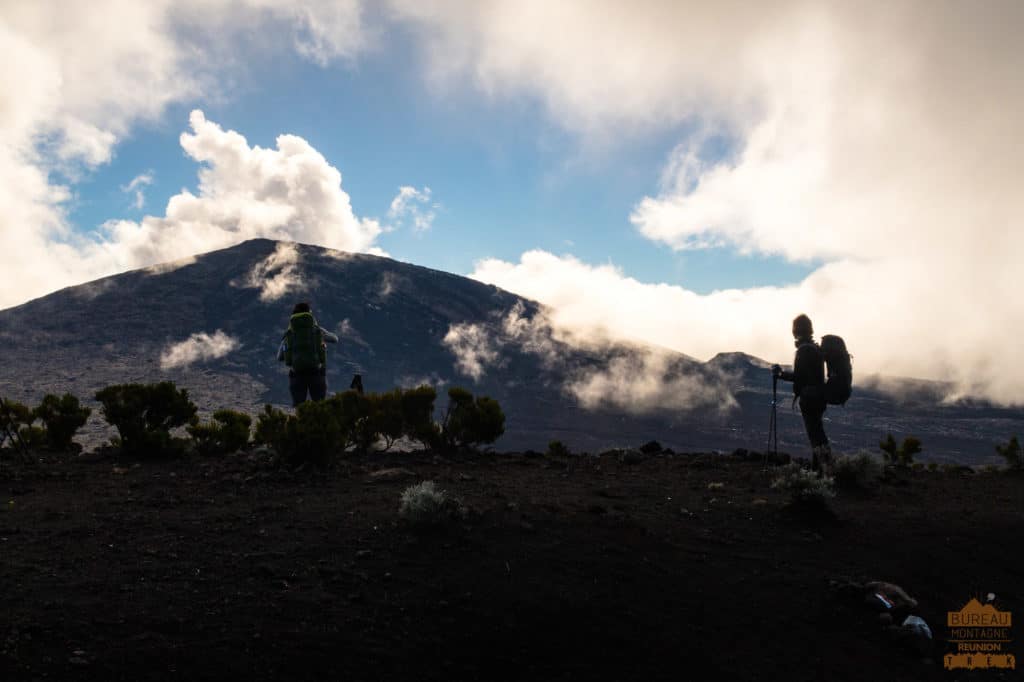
(773, 431)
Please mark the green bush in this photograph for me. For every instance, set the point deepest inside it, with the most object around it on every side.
(902, 456)
(1011, 452)
(62, 417)
(469, 422)
(862, 471)
(271, 427)
(316, 434)
(803, 486)
(417, 405)
(386, 416)
(33, 438)
(349, 420)
(144, 415)
(15, 419)
(228, 432)
(557, 448)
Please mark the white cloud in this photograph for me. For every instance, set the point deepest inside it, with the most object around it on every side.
(647, 380)
(200, 347)
(287, 193)
(881, 140)
(136, 185)
(87, 73)
(635, 378)
(473, 347)
(415, 205)
(275, 275)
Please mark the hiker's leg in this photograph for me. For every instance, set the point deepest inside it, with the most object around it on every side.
(318, 386)
(812, 411)
(298, 384)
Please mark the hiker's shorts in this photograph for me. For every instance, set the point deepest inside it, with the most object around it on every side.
(312, 382)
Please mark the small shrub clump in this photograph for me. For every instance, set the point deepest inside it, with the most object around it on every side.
(61, 417)
(1011, 452)
(15, 425)
(469, 423)
(557, 448)
(423, 504)
(227, 432)
(145, 414)
(804, 486)
(271, 427)
(901, 456)
(862, 471)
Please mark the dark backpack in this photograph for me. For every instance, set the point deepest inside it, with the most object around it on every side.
(839, 384)
(305, 344)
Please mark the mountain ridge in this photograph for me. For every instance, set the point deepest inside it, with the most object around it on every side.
(403, 324)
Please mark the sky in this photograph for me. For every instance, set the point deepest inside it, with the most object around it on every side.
(690, 175)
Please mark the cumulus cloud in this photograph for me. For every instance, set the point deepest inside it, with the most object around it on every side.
(287, 193)
(275, 275)
(414, 205)
(474, 348)
(86, 74)
(200, 347)
(629, 376)
(882, 141)
(649, 379)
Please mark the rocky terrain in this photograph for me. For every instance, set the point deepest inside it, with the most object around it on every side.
(401, 324)
(620, 567)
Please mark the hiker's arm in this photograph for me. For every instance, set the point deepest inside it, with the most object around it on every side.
(329, 337)
(780, 373)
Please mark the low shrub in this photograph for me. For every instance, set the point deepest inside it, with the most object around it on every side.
(803, 486)
(61, 417)
(145, 414)
(557, 448)
(271, 427)
(227, 432)
(469, 423)
(423, 504)
(315, 435)
(1011, 452)
(861, 471)
(903, 455)
(417, 405)
(15, 420)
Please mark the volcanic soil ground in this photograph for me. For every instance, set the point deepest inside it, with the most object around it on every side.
(656, 568)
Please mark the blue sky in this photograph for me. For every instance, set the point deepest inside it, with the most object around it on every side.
(507, 179)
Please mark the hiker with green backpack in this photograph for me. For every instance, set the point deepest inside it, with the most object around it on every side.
(304, 349)
(811, 388)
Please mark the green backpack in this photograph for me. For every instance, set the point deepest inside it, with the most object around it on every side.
(305, 349)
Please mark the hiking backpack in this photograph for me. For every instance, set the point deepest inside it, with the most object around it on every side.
(839, 384)
(305, 344)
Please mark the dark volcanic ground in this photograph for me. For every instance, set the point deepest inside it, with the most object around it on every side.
(578, 569)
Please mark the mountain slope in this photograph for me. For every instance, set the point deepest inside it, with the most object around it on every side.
(402, 324)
